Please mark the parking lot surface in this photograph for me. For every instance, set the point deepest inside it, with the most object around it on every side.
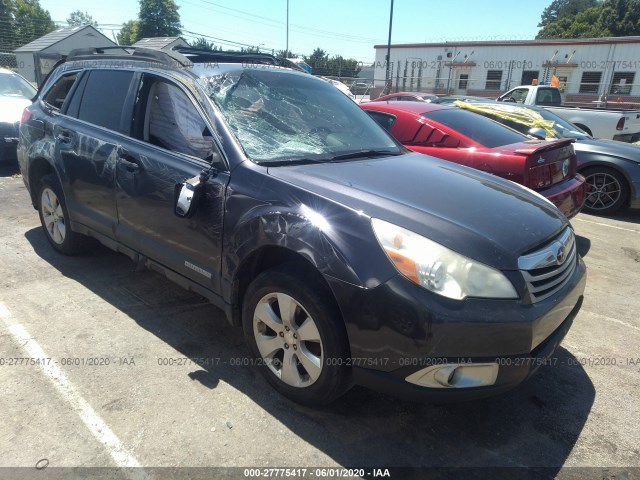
(143, 373)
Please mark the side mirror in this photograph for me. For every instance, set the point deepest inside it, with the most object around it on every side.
(187, 196)
(537, 132)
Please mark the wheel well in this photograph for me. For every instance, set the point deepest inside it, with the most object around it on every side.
(39, 168)
(583, 127)
(264, 259)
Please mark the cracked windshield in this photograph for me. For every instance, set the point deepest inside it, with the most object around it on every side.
(289, 118)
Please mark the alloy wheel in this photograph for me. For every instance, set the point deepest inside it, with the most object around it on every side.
(288, 340)
(605, 191)
(53, 216)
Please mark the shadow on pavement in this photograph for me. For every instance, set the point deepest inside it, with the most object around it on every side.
(9, 168)
(583, 244)
(535, 425)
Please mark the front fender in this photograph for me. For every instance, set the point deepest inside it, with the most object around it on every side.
(290, 230)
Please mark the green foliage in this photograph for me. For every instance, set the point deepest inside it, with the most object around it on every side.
(284, 54)
(590, 19)
(563, 9)
(158, 18)
(203, 44)
(128, 35)
(80, 18)
(336, 66)
(22, 21)
(7, 26)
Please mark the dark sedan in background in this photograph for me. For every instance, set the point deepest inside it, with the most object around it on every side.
(611, 168)
(15, 95)
(450, 133)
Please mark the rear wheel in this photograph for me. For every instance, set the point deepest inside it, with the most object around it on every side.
(54, 217)
(609, 191)
(295, 332)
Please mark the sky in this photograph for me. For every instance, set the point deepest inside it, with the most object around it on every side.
(346, 27)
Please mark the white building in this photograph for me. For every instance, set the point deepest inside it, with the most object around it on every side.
(587, 68)
(35, 59)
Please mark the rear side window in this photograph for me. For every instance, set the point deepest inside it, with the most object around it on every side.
(58, 93)
(476, 127)
(548, 96)
(104, 99)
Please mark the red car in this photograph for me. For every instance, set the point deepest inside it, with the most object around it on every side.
(450, 133)
(407, 97)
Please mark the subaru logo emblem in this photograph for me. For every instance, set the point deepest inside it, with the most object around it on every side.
(565, 168)
(561, 255)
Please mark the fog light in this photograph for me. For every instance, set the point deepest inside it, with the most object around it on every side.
(456, 375)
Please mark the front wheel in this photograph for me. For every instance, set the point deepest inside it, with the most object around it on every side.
(609, 191)
(54, 217)
(295, 332)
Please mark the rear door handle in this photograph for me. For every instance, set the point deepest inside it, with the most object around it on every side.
(65, 137)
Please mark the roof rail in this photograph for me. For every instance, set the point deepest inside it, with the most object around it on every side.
(198, 56)
(127, 52)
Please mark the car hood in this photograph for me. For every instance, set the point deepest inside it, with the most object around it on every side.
(609, 147)
(479, 215)
(11, 108)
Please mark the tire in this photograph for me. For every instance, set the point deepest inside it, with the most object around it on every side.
(609, 191)
(54, 218)
(305, 364)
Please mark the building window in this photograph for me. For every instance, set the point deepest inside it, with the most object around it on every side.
(463, 81)
(622, 83)
(590, 82)
(494, 79)
(528, 76)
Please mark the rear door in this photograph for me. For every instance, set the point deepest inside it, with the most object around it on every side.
(171, 142)
(95, 116)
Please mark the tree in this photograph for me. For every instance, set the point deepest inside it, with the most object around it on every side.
(590, 19)
(284, 54)
(564, 8)
(80, 18)
(158, 18)
(7, 26)
(128, 35)
(336, 66)
(31, 21)
(202, 44)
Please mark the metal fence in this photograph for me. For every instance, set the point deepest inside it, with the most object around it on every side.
(8, 60)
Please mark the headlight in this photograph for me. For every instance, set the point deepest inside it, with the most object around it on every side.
(439, 269)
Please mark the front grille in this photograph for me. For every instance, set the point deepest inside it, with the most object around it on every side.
(548, 269)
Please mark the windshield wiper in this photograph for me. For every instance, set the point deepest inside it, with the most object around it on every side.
(295, 161)
(366, 153)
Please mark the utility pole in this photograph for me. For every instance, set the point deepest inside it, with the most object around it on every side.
(386, 77)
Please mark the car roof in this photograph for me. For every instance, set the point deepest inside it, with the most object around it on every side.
(417, 108)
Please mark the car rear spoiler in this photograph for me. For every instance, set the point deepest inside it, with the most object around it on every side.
(542, 146)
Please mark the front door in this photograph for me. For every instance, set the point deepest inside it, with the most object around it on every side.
(171, 143)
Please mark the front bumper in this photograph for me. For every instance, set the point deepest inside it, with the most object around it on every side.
(568, 196)
(8, 141)
(399, 328)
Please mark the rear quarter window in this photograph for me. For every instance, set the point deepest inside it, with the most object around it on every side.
(476, 127)
(58, 93)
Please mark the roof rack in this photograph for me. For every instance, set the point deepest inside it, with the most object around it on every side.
(127, 52)
(198, 56)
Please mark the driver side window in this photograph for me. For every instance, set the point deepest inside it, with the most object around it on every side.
(518, 96)
(171, 121)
